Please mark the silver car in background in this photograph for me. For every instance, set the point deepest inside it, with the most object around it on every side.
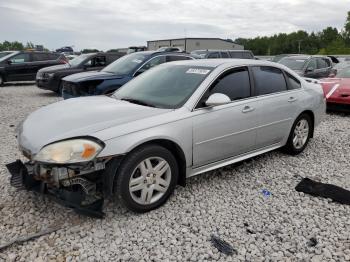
(175, 121)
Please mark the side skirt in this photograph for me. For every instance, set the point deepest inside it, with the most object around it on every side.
(228, 161)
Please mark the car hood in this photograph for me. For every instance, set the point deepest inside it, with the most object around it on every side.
(78, 117)
(55, 68)
(336, 86)
(92, 75)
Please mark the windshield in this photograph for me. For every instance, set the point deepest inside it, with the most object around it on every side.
(165, 86)
(126, 64)
(345, 73)
(293, 63)
(79, 59)
(5, 55)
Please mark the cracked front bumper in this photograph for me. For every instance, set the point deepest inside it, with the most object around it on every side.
(77, 192)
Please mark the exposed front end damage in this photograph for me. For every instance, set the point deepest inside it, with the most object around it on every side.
(82, 186)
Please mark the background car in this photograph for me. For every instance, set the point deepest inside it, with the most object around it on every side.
(242, 54)
(309, 66)
(50, 78)
(337, 90)
(65, 49)
(175, 121)
(116, 74)
(169, 49)
(277, 58)
(23, 65)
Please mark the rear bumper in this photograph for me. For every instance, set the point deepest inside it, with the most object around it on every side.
(22, 176)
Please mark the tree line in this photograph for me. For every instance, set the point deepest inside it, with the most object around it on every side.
(328, 41)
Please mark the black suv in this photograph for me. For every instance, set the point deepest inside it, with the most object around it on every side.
(50, 78)
(23, 65)
(309, 66)
(241, 54)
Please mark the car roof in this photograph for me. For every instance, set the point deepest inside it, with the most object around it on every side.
(226, 61)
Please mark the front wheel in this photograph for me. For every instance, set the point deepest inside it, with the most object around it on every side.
(299, 135)
(1, 80)
(146, 178)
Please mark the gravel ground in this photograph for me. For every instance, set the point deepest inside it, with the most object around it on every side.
(227, 202)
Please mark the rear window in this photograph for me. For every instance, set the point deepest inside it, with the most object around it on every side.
(268, 80)
(40, 57)
(247, 55)
(236, 54)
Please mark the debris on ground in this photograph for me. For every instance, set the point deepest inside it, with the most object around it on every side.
(312, 242)
(314, 188)
(222, 246)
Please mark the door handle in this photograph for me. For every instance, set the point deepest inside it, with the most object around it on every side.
(292, 99)
(247, 109)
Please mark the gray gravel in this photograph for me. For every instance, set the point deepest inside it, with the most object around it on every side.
(225, 202)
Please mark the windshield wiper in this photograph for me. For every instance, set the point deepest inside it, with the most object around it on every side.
(138, 102)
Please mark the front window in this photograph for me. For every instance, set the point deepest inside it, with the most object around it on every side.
(78, 60)
(293, 63)
(166, 86)
(126, 64)
(345, 73)
(20, 58)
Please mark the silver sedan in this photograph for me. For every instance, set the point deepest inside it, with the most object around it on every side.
(175, 121)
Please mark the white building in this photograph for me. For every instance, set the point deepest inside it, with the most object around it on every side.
(190, 44)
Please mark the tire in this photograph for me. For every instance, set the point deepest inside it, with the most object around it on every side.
(141, 188)
(1, 80)
(299, 135)
(60, 88)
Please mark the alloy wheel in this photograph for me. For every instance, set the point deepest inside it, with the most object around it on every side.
(150, 180)
(301, 133)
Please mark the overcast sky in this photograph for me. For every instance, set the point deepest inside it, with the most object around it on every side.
(106, 24)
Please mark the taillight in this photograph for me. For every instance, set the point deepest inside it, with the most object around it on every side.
(63, 60)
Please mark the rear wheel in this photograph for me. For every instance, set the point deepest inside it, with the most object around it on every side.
(60, 88)
(146, 178)
(299, 135)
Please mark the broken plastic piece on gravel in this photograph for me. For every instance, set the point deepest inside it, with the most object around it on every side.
(222, 245)
(312, 242)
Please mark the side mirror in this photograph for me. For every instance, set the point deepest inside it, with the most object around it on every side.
(309, 69)
(9, 62)
(217, 99)
(331, 75)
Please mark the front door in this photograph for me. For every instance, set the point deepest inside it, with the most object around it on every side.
(17, 68)
(227, 130)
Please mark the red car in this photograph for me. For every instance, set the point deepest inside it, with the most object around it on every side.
(337, 90)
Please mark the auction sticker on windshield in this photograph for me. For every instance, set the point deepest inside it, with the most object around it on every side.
(197, 71)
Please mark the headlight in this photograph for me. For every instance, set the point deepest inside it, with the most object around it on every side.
(48, 75)
(69, 151)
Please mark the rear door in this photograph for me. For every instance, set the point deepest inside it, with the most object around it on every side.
(276, 94)
(228, 130)
(17, 68)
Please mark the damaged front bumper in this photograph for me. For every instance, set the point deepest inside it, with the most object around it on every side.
(82, 187)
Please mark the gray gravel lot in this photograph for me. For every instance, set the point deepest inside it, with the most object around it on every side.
(226, 202)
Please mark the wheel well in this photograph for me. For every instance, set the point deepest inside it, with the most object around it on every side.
(179, 155)
(312, 116)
